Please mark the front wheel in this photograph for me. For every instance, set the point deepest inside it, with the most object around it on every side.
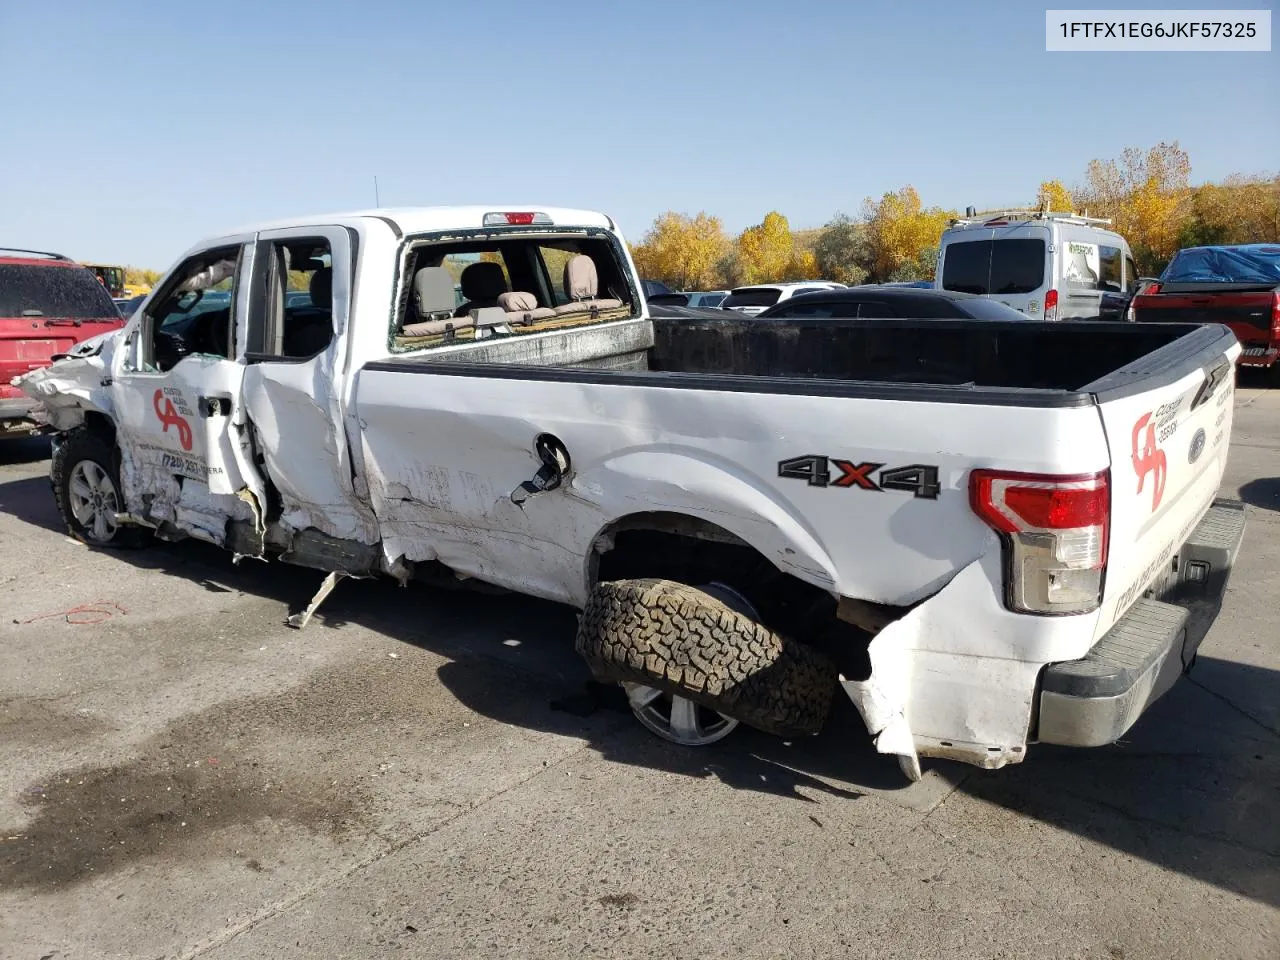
(86, 485)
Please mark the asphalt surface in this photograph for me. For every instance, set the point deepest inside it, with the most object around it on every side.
(422, 773)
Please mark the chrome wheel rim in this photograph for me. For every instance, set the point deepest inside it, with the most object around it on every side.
(94, 501)
(678, 719)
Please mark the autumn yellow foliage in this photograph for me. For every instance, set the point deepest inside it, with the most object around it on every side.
(900, 230)
(1053, 197)
(682, 251)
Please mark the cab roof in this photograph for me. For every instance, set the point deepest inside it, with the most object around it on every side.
(411, 220)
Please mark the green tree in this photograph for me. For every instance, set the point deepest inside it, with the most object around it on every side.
(842, 251)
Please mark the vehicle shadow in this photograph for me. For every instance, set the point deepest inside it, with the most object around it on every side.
(1193, 787)
(23, 450)
(30, 500)
(1264, 493)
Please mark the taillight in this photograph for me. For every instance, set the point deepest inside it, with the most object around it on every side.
(1149, 291)
(1051, 305)
(1275, 315)
(1055, 532)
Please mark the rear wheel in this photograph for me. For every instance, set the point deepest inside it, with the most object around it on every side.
(694, 666)
(86, 485)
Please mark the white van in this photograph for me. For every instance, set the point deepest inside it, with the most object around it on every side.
(1050, 266)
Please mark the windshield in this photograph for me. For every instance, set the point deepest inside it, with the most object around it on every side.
(1225, 265)
(752, 297)
(994, 267)
(63, 292)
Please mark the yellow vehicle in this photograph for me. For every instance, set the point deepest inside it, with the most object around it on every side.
(114, 279)
(111, 277)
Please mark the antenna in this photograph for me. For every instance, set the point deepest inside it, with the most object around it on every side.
(377, 202)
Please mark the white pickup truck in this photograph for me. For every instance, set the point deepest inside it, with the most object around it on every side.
(988, 534)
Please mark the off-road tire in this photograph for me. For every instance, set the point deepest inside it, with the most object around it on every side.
(684, 642)
(80, 444)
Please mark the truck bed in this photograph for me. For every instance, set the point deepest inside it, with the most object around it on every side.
(1020, 363)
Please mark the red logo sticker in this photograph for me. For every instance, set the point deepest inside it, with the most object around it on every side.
(169, 417)
(1148, 458)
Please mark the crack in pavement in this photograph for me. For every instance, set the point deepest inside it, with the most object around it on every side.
(1236, 707)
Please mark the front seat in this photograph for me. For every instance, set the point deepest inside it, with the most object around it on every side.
(310, 329)
(482, 284)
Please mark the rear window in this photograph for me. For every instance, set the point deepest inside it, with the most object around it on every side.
(1224, 265)
(994, 267)
(988, 310)
(752, 297)
(71, 292)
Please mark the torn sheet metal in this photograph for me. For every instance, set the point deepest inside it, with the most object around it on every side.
(300, 620)
(956, 676)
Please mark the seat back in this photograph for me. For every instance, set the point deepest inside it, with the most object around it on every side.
(433, 302)
(482, 284)
(581, 284)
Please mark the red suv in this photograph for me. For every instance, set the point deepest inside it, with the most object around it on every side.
(48, 304)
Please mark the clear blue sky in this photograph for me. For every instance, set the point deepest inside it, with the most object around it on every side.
(132, 129)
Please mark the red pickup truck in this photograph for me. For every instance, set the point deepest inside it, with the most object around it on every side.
(1238, 286)
(48, 304)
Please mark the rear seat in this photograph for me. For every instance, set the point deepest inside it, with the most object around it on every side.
(433, 302)
(522, 308)
(581, 284)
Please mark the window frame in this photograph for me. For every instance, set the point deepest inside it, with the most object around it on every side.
(143, 353)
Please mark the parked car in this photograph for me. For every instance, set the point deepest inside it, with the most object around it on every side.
(1050, 266)
(750, 515)
(48, 304)
(922, 284)
(668, 300)
(129, 305)
(707, 299)
(1235, 285)
(871, 300)
(760, 297)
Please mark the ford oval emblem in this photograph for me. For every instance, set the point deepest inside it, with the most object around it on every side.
(1197, 446)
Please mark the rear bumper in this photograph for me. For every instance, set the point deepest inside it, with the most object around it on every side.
(1259, 356)
(16, 415)
(1094, 701)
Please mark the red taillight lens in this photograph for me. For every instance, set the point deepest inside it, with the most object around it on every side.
(519, 219)
(1150, 290)
(1275, 316)
(1051, 305)
(1055, 530)
(1056, 508)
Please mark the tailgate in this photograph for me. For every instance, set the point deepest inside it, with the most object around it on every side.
(1168, 430)
(1247, 312)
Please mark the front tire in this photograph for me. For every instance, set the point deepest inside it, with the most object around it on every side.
(86, 484)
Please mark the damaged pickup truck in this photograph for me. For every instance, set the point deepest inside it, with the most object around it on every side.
(987, 534)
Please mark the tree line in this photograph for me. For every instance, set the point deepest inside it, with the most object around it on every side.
(1146, 194)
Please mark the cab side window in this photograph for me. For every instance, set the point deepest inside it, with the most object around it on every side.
(292, 317)
(194, 314)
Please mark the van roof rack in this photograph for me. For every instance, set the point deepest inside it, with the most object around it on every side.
(36, 253)
(1000, 218)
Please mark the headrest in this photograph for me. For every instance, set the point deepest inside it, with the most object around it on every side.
(433, 292)
(580, 282)
(322, 288)
(518, 302)
(483, 281)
